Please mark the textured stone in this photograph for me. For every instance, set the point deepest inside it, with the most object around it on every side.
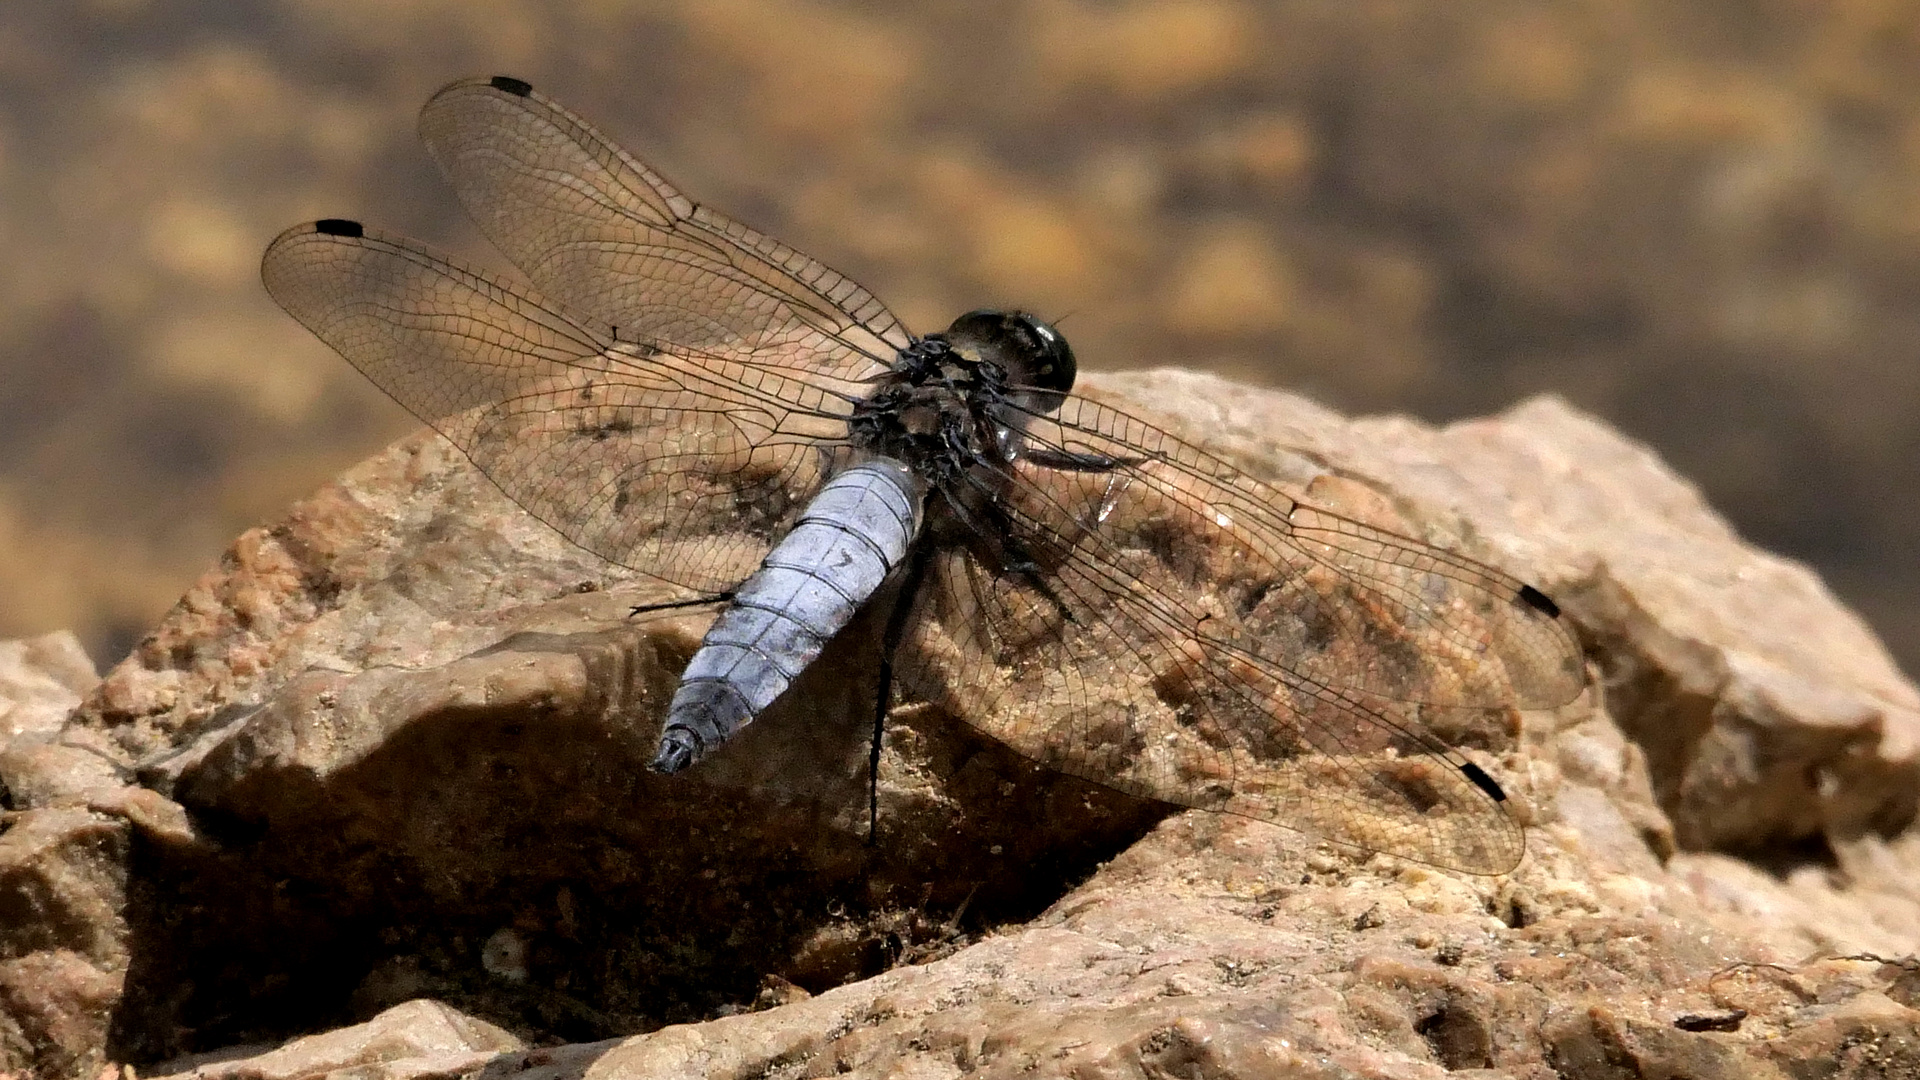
(63, 869)
(1767, 711)
(63, 949)
(41, 680)
(1169, 962)
(418, 1039)
(393, 750)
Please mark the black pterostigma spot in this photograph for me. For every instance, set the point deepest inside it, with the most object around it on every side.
(1539, 601)
(1484, 782)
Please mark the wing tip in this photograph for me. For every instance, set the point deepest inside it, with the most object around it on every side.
(505, 84)
(297, 235)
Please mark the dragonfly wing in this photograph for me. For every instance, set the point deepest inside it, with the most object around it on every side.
(680, 464)
(587, 221)
(1345, 603)
(1185, 632)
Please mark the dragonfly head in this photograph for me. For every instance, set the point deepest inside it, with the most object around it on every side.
(1031, 355)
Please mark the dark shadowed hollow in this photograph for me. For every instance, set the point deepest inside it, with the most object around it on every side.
(1697, 219)
(532, 837)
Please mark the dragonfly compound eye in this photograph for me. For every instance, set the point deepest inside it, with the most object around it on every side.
(1030, 353)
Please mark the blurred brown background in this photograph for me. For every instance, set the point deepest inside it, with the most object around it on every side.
(1698, 218)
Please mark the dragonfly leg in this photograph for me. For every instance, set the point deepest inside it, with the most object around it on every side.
(1068, 461)
(674, 605)
(997, 532)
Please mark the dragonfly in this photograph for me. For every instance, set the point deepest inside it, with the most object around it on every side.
(689, 398)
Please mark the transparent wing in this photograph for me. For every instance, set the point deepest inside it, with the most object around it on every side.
(588, 222)
(681, 464)
(1191, 634)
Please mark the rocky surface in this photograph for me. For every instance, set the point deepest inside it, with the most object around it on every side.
(63, 867)
(375, 786)
(41, 680)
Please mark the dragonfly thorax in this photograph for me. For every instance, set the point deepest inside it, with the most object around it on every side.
(957, 401)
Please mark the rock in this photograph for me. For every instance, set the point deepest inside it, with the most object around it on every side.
(393, 750)
(63, 944)
(41, 680)
(63, 870)
(450, 739)
(1151, 968)
(419, 1039)
(1768, 712)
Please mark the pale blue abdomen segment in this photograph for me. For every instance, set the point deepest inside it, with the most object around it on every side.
(849, 538)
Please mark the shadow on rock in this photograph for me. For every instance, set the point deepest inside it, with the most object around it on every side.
(486, 833)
